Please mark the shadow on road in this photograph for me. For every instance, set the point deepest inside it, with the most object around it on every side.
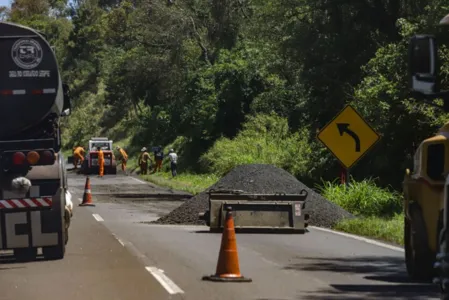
(385, 278)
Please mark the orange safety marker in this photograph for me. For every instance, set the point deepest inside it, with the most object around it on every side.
(87, 196)
(228, 269)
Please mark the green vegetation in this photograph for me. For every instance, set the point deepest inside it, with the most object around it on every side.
(227, 82)
(379, 210)
(193, 184)
(263, 139)
(363, 198)
(384, 229)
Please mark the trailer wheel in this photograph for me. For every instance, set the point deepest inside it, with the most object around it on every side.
(25, 254)
(419, 262)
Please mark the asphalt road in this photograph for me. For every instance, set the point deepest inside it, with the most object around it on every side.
(114, 254)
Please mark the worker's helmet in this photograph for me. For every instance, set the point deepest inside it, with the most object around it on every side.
(445, 20)
(143, 149)
(171, 150)
(117, 148)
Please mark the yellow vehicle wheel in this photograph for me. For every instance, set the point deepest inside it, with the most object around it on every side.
(418, 260)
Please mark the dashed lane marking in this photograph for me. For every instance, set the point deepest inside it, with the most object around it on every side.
(98, 217)
(360, 238)
(163, 279)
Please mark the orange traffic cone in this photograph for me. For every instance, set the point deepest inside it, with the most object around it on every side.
(87, 196)
(228, 269)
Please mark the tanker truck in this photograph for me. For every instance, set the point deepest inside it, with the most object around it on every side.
(33, 179)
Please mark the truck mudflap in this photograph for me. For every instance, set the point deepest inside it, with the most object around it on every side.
(257, 212)
(28, 222)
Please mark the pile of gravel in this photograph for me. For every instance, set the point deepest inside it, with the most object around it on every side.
(259, 178)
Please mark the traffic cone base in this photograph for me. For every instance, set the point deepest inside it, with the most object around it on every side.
(87, 196)
(228, 269)
(231, 278)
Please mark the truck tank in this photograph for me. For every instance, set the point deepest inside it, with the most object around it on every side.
(30, 83)
(33, 177)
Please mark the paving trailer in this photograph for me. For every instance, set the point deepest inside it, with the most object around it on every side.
(257, 212)
(33, 179)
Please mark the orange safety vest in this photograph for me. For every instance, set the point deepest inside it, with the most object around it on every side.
(100, 156)
(79, 151)
(124, 155)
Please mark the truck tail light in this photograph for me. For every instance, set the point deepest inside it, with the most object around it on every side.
(33, 157)
(47, 157)
(28, 157)
(18, 158)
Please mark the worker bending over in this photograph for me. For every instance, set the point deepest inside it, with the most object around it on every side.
(123, 158)
(78, 156)
(144, 159)
(100, 162)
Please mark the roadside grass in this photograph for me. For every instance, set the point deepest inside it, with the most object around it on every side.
(378, 210)
(191, 183)
(384, 229)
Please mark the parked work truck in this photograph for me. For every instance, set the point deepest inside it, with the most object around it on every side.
(33, 181)
(90, 164)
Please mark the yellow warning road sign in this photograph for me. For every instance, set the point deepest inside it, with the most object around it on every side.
(348, 136)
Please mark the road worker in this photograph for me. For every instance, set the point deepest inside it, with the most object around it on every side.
(100, 162)
(123, 157)
(158, 157)
(78, 156)
(173, 162)
(144, 159)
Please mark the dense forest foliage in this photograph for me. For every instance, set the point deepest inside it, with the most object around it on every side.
(237, 81)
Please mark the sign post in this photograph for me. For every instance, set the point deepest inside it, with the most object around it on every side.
(344, 177)
(348, 137)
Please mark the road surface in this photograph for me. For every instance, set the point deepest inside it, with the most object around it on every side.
(114, 254)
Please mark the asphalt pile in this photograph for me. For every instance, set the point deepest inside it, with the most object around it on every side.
(260, 179)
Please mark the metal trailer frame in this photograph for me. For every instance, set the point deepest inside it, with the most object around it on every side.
(257, 212)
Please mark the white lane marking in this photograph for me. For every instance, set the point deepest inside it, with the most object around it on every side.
(98, 217)
(138, 180)
(163, 279)
(118, 240)
(359, 238)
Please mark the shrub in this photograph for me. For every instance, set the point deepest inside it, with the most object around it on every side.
(390, 230)
(264, 139)
(363, 198)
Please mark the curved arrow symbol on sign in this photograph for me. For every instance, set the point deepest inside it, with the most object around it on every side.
(344, 127)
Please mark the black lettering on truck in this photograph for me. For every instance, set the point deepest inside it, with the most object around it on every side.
(17, 238)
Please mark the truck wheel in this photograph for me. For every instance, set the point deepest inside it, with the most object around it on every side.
(54, 252)
(57, 252)
(419, 263)
(25, 254)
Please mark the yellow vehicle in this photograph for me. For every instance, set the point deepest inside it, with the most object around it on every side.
(424, 187)
(423, 204)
